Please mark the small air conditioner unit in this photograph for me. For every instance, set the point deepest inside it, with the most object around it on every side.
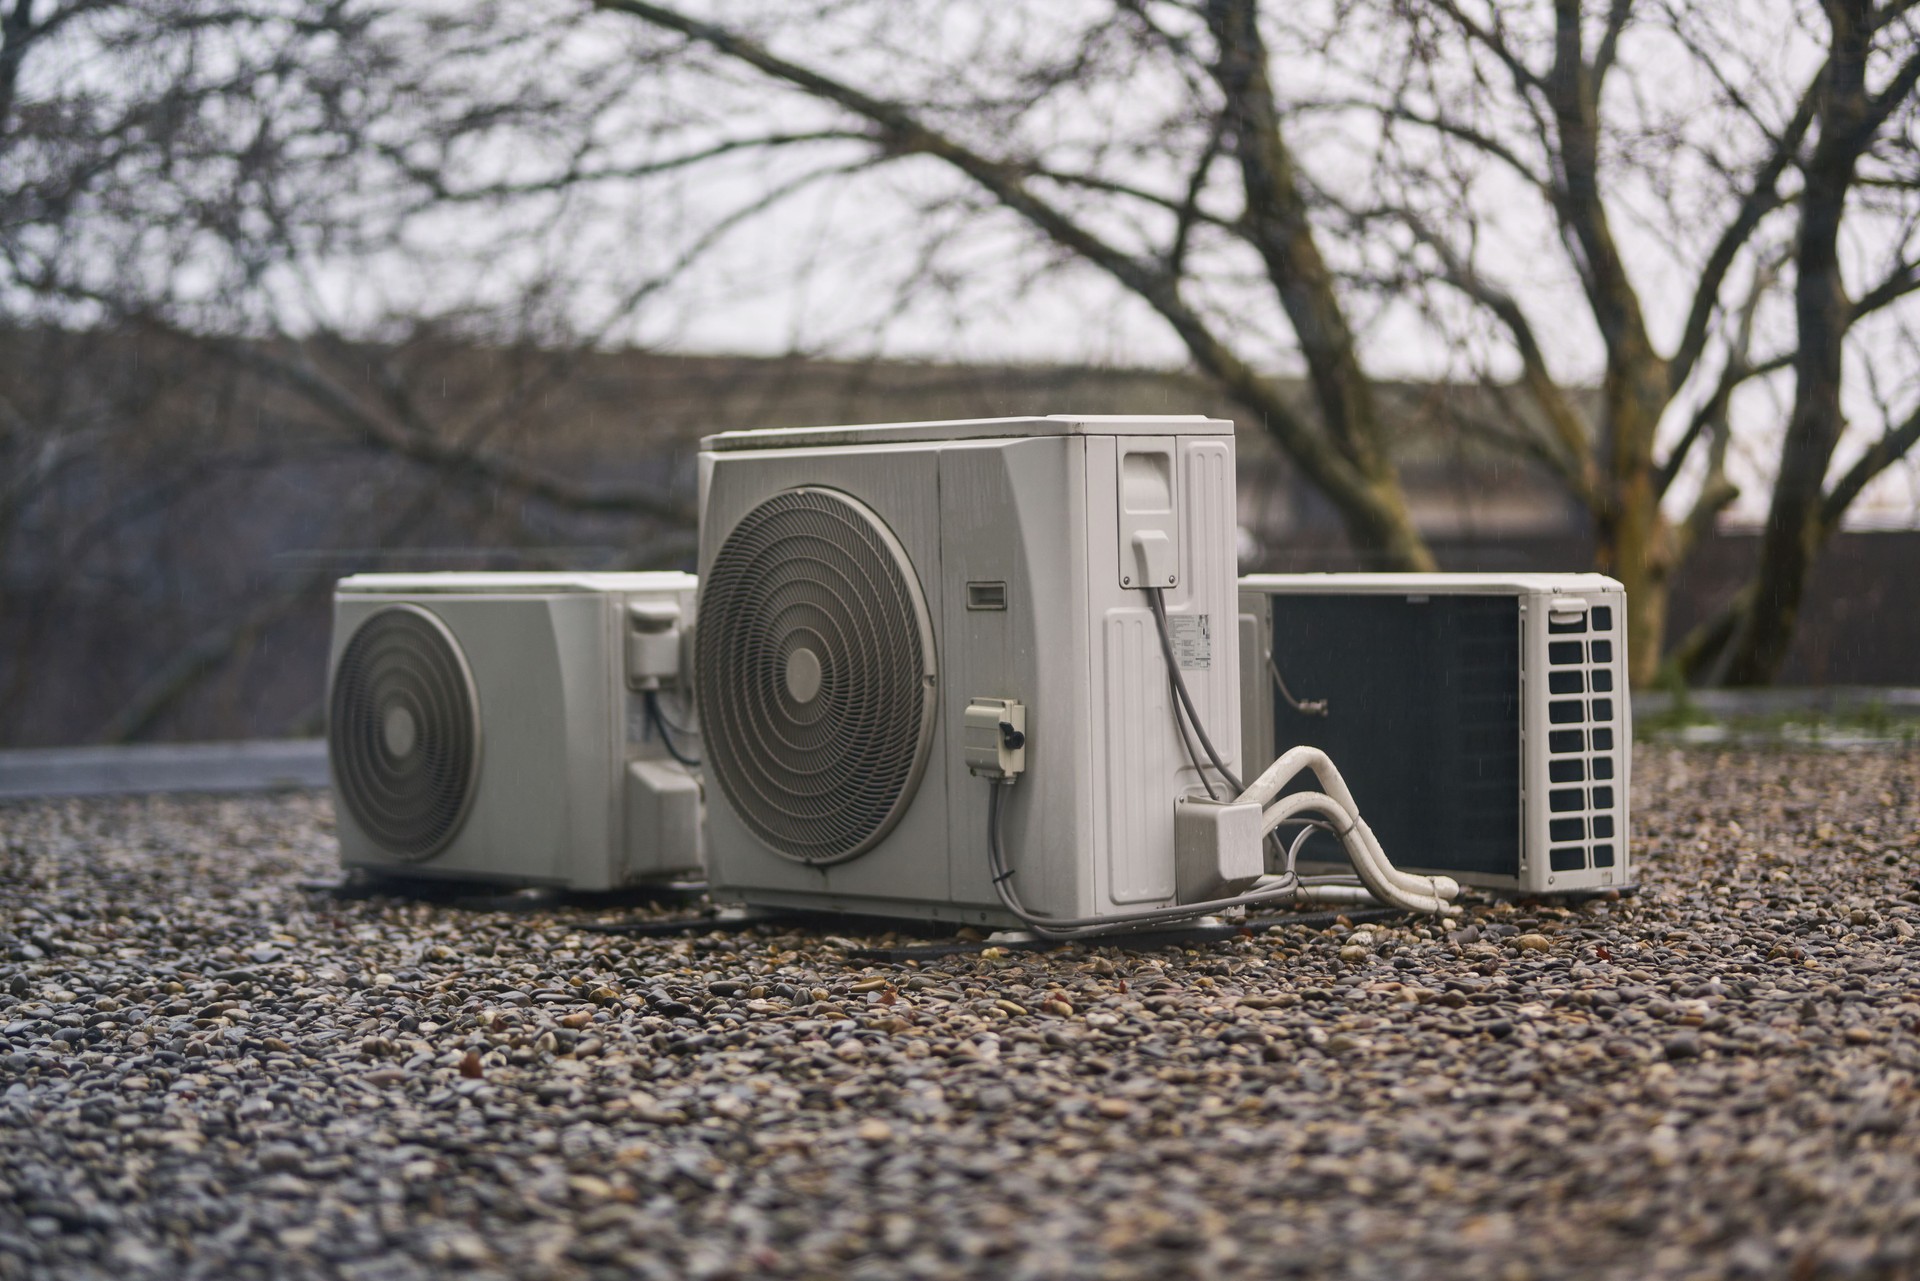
(1481, 720)
(882, 607)
(508, 727)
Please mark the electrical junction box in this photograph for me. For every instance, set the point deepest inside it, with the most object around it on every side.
(996, 738)
(1218, 849)
(1481, 720)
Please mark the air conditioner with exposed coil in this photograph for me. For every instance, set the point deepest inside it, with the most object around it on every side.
(1481, 720)
(881, 606)
(510, 727)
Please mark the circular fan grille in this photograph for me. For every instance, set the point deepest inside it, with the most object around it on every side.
(816, 675)
(404, 732)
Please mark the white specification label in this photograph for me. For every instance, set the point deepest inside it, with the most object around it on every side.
(1192, 641)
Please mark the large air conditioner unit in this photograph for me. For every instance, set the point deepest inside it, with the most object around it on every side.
(509, 727)
(1481, 720)
(881, 606)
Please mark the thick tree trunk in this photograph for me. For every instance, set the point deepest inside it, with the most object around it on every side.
(1361, 478)
(1636, 548)
(1637, 542)
(1795, 528)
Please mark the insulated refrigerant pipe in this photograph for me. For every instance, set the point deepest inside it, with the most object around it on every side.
(1388, 883)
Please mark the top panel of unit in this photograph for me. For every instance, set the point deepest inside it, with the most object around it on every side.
(971, 429)
(469, 584)
(1426, 584)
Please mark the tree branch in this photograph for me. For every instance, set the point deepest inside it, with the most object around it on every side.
(1569, 89)
(1887, 101)
(1796, 528)
(1714, 413)
(1897, 284)
(469, 463)
(1618, 15)
(1280, 232)
(1495, 43)
(1114, 187)
(1700, 657)
(432, 181)
(1893, 445)
(1762, 198)
(1524, 443)
(1573, 460)
(1717, 492)
(1892, 11)
(1189, 212)
(1479, 140)
(16, 30)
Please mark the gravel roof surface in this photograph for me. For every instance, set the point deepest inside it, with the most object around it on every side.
(208, 1071)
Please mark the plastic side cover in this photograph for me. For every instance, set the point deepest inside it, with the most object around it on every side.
(1149, 514)
(663, 821)
(1216, 848)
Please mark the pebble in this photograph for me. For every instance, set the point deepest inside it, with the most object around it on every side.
(1683, 1045)
(206, 1070)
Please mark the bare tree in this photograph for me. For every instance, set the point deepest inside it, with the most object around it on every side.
(1852, 142)
(1577, 112)
(1590, 120)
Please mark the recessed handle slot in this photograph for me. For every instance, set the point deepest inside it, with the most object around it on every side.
(986, 595)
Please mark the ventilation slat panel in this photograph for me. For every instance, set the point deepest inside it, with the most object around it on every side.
(1576, 666)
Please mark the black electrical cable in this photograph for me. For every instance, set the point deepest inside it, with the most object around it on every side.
(652, 701)
(1159, 608)
(1193, 754)
(675, 726)
(1178, 685)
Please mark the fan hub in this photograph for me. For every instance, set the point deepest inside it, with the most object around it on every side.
(803, 675)
(399, 731)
